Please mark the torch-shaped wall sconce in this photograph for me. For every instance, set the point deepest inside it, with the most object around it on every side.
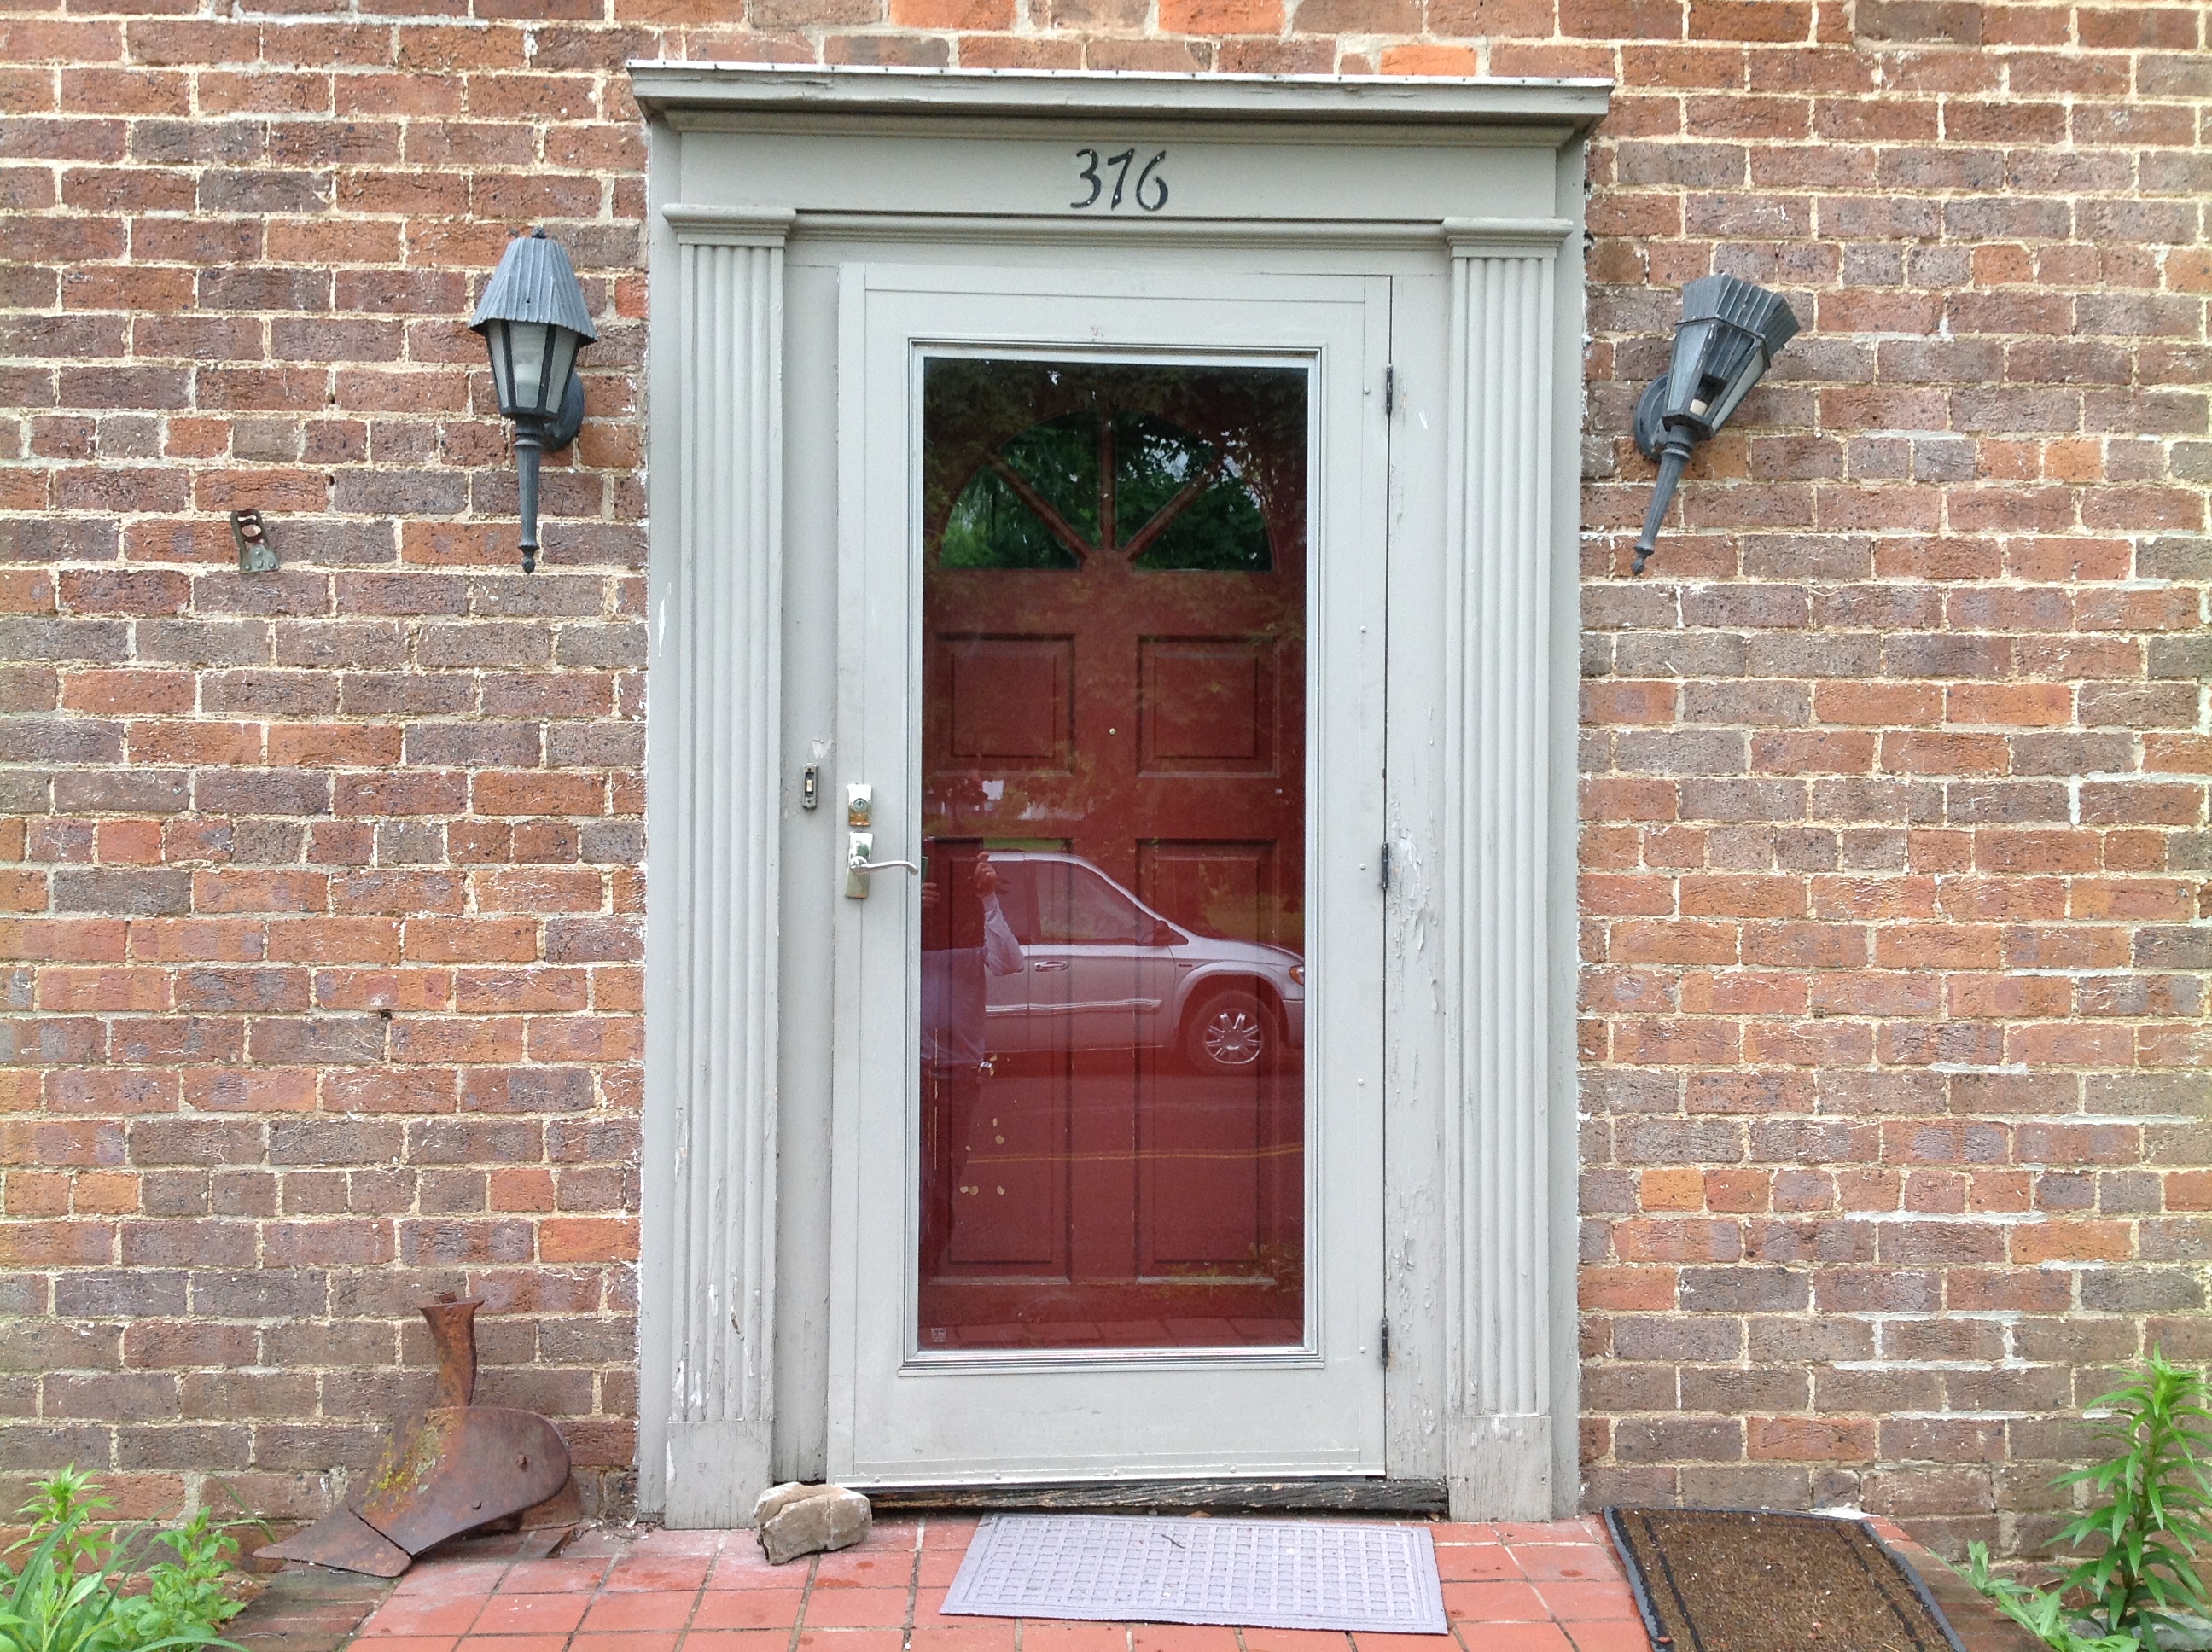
(533, 321)
(1729, 332)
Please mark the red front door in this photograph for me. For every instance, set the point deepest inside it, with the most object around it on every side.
(1113, 822)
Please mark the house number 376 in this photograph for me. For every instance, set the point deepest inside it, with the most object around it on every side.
(1150, 190)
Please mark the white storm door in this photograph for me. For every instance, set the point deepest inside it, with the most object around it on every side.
(1110, 658)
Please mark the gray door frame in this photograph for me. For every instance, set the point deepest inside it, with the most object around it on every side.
(1469, 194)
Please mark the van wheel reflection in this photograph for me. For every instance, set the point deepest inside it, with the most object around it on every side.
(1230, 1032)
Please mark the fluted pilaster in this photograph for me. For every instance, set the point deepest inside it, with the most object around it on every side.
(707, 1290)
(1506, 855)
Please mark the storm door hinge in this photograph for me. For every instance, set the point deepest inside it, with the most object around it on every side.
(1386, 1345)
(1386, 865)
(1389, 392)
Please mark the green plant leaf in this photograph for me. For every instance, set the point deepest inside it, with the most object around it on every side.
(60, 1598)
(2142, 1519)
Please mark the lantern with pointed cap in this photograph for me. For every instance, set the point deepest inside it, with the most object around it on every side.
(1729, 330)
(533, 319)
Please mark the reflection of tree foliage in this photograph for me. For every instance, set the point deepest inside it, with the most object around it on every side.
(991, 527)
(1028, 464)
(1221, 528)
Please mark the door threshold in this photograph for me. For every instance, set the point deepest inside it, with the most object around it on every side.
(1422, 1499)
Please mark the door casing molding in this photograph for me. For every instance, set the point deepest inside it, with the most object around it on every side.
(1480, 1162)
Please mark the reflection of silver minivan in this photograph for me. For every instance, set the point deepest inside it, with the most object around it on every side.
(1101, 969)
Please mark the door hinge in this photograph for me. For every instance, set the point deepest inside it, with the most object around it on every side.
(1386, 865)
(1386, 1345)
(1389, 392)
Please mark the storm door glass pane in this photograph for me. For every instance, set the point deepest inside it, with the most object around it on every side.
(1113, 986)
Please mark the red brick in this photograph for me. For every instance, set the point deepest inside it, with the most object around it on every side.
(1430, 60)
(1808, 1439)
(576, 1239)
(2072, 1241)
(134, 692)
(1944, 754)
(538, 794)
(957, 13)
(2032, 705)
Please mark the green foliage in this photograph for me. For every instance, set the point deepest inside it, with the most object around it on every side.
(2152, 1491)
(64, 1598)
(2042, 1613)
(186, 1593)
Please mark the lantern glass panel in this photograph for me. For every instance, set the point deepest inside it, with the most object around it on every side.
(528, 345)
(1687, 372)
(563, 363)
(1749, 371)
(503, 366)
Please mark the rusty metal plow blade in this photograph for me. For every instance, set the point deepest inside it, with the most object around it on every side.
(451, 1468)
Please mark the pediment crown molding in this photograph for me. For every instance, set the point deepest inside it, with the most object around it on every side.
(673, 88)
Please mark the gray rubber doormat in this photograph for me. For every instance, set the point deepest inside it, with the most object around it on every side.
(1261, 1574)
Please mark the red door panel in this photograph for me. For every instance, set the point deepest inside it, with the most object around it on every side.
(1113, 742)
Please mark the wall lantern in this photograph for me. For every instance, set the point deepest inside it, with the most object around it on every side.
(533, 321)
(1729, 332)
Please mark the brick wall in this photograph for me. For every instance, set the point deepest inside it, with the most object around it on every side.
(323, 885)
(1894, 825)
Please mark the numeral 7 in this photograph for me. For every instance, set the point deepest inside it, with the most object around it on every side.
(1122, 177)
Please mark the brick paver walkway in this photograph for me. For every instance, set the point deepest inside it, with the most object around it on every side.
(1551, 1588)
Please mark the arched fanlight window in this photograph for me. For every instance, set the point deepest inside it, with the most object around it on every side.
(1115, 477)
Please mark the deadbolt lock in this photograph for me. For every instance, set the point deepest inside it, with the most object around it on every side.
(860, 862)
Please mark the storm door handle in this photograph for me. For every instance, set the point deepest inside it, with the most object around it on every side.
(861, 865)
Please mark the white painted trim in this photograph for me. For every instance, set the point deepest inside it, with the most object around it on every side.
(717, 226)
(1475, 238)
(707, 1284)
(1501, 861)
(662, 86)
(963, 229)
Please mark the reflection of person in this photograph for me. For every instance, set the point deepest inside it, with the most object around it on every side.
(965, 940)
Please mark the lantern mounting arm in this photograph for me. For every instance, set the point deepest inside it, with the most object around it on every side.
(533, 440)
(1674, 457)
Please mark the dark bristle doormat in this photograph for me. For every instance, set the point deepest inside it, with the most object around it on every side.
(1731, 1580)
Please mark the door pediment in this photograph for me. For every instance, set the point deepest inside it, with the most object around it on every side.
(1123, 153)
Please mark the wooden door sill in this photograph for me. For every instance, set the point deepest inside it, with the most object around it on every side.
(1362, 1494)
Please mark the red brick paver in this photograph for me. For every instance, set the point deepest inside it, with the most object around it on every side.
(1508, 1588)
